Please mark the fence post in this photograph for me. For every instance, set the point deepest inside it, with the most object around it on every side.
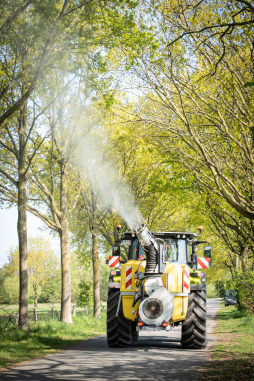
(74, 310)
(35, 314)
(52, 313)
(86, 309)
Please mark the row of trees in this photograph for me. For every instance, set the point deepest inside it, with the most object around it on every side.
(52, 66)
(162, 91)
(45, 276)
(196, 108)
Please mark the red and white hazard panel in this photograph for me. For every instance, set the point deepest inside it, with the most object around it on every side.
(114, 261)
(128, 277)
(203, 263)
(186, 280)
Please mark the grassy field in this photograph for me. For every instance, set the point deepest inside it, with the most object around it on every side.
(233, 354)
(46, 337)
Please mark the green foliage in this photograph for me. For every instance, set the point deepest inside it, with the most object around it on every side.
(9, 286)
(51, 290)
(229, 284)
(211, 291)
(44, 274)
(9, 293)
(244, 285)
(249, 84)
(104, 276)
(86, 293)
(188, 141)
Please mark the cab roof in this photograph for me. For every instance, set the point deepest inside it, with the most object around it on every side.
(183, 235)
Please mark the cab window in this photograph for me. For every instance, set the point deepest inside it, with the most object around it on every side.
(137, 251)
(176, 250)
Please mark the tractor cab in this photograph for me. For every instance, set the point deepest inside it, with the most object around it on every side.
(176, 248)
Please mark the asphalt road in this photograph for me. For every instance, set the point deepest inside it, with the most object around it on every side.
(156, 356)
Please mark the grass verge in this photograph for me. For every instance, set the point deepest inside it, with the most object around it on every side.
(45, 338)
(233, 355)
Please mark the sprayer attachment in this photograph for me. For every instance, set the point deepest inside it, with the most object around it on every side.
(150, 247)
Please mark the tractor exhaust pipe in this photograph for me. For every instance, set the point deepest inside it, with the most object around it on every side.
(150, 246)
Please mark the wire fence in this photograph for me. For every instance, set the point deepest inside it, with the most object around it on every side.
(9, 319)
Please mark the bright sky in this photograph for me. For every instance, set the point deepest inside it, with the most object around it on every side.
(9, 235)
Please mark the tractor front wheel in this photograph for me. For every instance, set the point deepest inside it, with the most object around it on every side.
(120, 332)
(194, 325)
(112, 321)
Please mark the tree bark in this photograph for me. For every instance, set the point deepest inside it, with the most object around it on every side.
(96, 263)
(35, 296)
(65, 250)
(96, 275)
(22, 223)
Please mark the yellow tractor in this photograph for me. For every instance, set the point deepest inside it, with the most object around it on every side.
(155, 284)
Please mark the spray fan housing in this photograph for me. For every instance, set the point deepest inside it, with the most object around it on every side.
(159, 306)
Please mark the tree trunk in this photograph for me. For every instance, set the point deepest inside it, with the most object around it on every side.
(65, 250)
(22, 224)
(35, 295)
(96, 264)
(96, 275)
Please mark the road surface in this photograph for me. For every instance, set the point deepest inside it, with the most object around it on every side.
(156, 356)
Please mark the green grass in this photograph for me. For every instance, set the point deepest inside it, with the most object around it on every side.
(44, 338)
(233, 354)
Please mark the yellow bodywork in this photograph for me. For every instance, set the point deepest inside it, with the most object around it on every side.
(172, 280)
(130, 312)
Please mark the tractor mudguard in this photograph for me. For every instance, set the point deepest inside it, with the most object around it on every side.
(197, 282)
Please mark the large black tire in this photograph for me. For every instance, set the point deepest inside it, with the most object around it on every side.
(194, 325)
(120, 331)
(112, 321)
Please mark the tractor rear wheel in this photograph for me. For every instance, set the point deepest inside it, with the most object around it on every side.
(194, 325)
(120, 331)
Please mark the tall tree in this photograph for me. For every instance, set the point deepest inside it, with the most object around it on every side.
(26, 54)
(51, 190)
(19, 145)
(34, 40)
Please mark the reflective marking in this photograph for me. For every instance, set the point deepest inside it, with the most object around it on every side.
(203, 263)
(186, 280)
(114, 261)
(128, 279)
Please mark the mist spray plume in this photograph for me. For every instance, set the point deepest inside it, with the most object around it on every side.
(113, 191)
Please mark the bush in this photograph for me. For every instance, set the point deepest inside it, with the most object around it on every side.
(85, 295)
(211, 291)
(244, 285)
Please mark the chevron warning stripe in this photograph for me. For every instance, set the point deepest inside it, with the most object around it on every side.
(203, 263)
(113, 261)
(128, 277)
(186, 280)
